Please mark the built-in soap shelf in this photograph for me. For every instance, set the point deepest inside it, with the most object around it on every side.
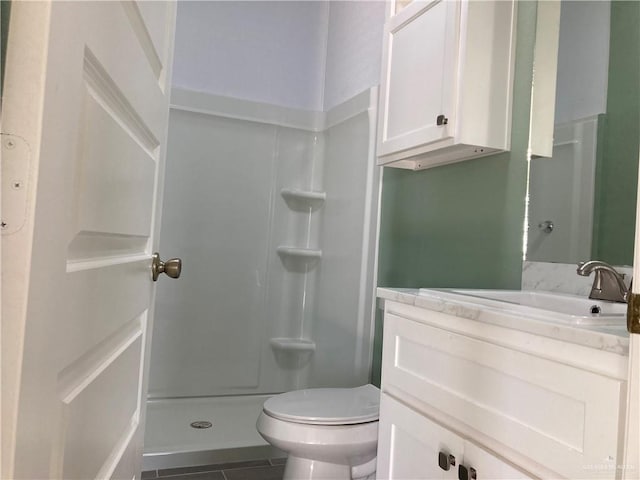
(299, 252)
(303, 199)
(309, 195)
(298, 259)
(293, 345)
(292, 353)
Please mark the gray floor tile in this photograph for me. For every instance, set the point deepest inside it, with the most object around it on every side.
(149, 474)
(211, 468)
(247, 464)
(198, 476)
(256, 473)
(278, 461)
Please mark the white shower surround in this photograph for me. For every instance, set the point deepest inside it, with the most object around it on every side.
(224, 210)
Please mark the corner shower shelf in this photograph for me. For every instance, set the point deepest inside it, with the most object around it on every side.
(293, 345)
(308, 195)
(303, 200)
(308, 253)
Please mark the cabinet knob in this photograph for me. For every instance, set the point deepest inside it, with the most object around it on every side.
(446, 460)
(465, 473)
(546, 226)
(441, 120)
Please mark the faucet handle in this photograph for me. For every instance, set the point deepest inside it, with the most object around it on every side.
(597, 281)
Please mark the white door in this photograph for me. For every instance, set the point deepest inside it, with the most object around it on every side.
(631, 464)
(84, 124)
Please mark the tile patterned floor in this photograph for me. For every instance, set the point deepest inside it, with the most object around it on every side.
(272, 469)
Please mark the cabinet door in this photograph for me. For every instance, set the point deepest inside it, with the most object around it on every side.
(409, 444)
(419, 75)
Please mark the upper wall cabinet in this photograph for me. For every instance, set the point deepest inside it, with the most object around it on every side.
(446, 83)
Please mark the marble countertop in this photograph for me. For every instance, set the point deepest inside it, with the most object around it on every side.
(613, 339)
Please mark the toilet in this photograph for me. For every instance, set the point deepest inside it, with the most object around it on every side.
(329, 433)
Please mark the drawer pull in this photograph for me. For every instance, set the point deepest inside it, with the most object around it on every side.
(446, 460)
(465, 473)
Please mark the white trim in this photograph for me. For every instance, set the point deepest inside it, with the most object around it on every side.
(203, 103)
(543, 92)
(376, 252)
(631, 444)
(368, 265)
(354, 106)
(110, 465)
(216, 105)
(22, 113)
(631, 453)
(75, 378)
(79, 265)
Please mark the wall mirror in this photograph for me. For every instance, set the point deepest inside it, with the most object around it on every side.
(582, 194)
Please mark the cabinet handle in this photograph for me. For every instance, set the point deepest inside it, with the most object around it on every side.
(465, 473)
(441, 120)
(446, 460)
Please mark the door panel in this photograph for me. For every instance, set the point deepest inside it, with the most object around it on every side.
(148, 20)
(101, 413)
(111, 159)
(90, 100)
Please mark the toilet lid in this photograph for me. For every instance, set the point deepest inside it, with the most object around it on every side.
(326, 406)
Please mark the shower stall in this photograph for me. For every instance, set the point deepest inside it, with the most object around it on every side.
(274, 213)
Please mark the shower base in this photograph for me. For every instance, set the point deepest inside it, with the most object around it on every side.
(170, 441)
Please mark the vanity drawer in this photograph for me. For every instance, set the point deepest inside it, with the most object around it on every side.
(563, 418)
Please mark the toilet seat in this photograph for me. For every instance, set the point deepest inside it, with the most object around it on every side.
(326, 406)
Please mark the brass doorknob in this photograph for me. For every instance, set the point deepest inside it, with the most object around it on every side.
(171, 267)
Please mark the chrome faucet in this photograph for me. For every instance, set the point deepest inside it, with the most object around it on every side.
(608, 284)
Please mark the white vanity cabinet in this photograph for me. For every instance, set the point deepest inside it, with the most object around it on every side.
(506, 402)
(446, 85)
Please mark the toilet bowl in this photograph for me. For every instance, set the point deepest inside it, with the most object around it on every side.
(329, 433)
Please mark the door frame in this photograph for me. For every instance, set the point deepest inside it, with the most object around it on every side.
(631, 453)
(14, 293)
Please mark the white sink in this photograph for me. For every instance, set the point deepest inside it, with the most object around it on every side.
(550, 305)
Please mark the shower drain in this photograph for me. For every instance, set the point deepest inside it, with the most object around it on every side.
(201, 424)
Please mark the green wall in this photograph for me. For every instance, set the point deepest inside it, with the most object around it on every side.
(461, 225)
(617, 174)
